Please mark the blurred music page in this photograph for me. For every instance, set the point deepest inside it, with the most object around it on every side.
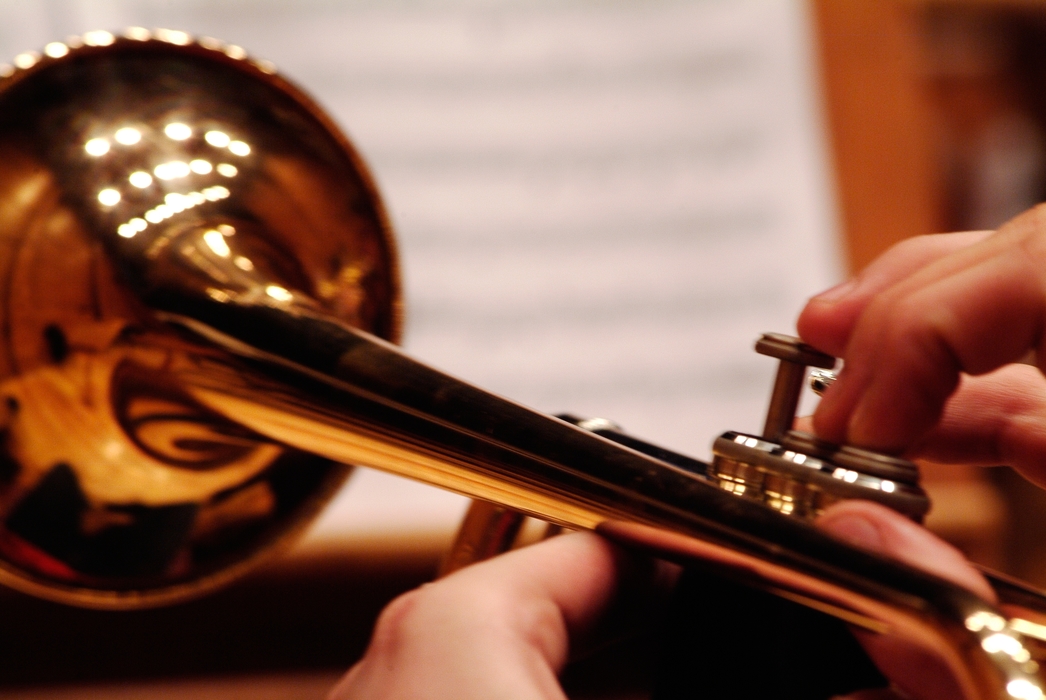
(600, 205)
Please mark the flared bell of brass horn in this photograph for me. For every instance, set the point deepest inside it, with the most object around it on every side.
(197, 293)
(124, 160)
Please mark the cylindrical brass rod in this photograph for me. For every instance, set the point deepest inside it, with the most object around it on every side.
(784, 401)
(795, 357)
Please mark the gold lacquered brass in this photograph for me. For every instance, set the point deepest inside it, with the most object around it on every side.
(148, 159)
(198, 293)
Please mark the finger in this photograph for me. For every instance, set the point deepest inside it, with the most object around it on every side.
(993, 419)
(497, 629)
(974, 310)
(875, 527)
(828, 319)
(916, 671)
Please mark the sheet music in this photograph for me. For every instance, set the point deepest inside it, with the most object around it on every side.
(600, 205)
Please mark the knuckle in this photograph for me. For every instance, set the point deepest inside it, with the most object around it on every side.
(449, 603)
(917, 243)
(392, 629)
(915, 333)
(1029, 231)
(1023, 257)
(920, 248)
(1034, 217)
(546, 631)
(898, 253)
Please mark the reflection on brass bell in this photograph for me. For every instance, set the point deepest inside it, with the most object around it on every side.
(152, 161)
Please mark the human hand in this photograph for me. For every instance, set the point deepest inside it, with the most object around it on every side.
(929, 334)
(928, 311)
(915, 672)
(505, 628)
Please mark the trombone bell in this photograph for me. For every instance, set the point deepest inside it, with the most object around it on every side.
(126, 163)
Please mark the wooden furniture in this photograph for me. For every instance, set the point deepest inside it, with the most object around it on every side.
(937, 115)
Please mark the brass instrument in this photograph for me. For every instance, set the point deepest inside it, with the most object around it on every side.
(199, 300)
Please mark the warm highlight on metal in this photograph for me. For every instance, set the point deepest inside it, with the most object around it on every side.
(199, 290)
(141, 168)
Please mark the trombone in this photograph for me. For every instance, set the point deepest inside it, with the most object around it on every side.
(200, 304)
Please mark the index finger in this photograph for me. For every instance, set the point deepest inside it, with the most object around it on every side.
(971, 311)
(828, 319)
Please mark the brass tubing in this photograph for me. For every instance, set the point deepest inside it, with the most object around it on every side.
(486, 531)
(190, 250)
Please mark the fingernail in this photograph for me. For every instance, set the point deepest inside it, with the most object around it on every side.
(837, 292)
(856, 530)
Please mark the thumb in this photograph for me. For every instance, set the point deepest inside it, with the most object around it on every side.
(916, 671)
(875, 527)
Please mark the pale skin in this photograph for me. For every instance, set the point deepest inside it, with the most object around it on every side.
(930, 334)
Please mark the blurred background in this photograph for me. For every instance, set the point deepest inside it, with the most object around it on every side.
(600, 205)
